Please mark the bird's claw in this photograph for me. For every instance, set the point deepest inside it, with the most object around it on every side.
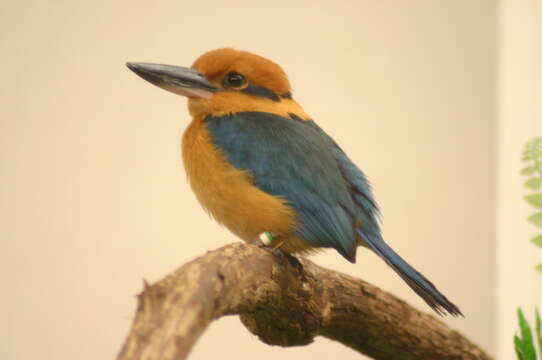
(265, 241)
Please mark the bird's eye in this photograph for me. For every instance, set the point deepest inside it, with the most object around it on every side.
(234, 80)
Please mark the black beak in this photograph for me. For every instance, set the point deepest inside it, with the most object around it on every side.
(179, 80)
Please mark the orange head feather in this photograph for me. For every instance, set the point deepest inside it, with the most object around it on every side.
(215, 65)
(246, 82)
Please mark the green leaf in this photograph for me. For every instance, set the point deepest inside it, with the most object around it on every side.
(538, 327)
(526, 346)
(537, 240)
(518, 346)
(533, 183)
(538, 268)
(536, 219)
(534, 199)
(528, 170)
(526, 158)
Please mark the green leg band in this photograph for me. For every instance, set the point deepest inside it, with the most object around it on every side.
(267, 238)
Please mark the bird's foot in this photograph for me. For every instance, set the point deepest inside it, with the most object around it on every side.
(266, 240)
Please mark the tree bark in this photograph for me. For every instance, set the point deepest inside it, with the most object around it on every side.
(285, 301)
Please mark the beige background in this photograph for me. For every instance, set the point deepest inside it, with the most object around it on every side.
(93, 198)
(519, 115)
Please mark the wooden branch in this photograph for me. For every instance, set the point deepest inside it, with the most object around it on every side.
(284, 301)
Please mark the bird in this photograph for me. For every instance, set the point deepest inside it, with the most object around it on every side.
(262, 167)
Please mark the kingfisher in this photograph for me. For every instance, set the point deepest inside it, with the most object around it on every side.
(262, 167)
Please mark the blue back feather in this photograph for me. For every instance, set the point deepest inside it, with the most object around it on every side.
(299, 162)
(366, 209)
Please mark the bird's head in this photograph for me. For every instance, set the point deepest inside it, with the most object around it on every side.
(225, 81)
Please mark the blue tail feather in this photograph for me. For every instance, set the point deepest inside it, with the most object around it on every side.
(423, 287)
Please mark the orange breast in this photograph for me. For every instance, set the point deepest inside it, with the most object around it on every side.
(229, 195)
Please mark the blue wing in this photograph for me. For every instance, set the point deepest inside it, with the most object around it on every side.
(296, 160)
(366, 209)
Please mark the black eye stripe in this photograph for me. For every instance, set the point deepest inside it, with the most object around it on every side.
(260, 91)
